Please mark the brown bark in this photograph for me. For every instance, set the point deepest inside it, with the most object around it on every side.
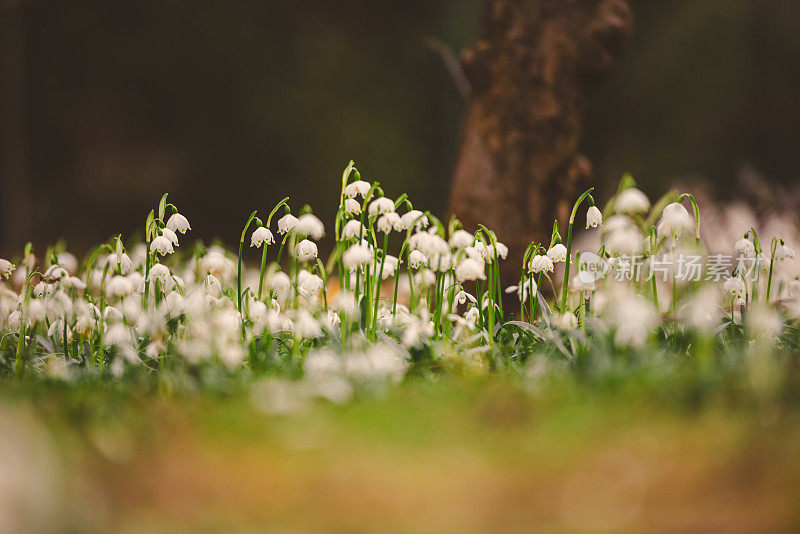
(519, 166)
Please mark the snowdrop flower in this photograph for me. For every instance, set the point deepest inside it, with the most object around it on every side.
(42, 290)
(178, 223)
(356, 256)
(632, 200)
(734, 286)
(417, 259)
(357, 188)
(380, 206)
(353, 229)
(6, 268)
(308, 284)
(261, 235)
(306, 250)
(352, 206)
(557, 253)
(310, 225)
(162, 245)
(541, 264)
(462, 297)
(523, 290)
(159, 272)
(55, 273)
(286, 223)
(593, 217)
(566, 321)
(746, 247)
(119, 286)
(470, 269)
(172, 236)
(461, 239)
(675, 220)
(415, 218)
(388, 222)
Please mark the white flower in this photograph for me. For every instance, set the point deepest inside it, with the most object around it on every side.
(162, 245)
(356, 256)
(416, 218)
(352, 206)
(502, 250)
(416, 259)
(541, 264)
(633, 317)
(42, 290)
(746, 247)
(68, 261)
(470, 269)
(212, 286)
(675, 220)
(624, 241)
(178, 223)
(593, 217)
(523, 290)
(216, 263)
(261, 235)
(557, 253)
(352, 229)
(565, 321)
(783, 253)
(388, 222)
(461, 239)
(305, 325)
(159, 272)
(425, 278)
(734, 286)
(389, 266)
(379, 206)
(55, 273)
(306, 250)
(119, 286)
(462, 297)
(310, 225)
(308, 284)
(120, 261)
(172, 236)
(6, 268)
(286, 223)
(359, 187)
(632, 201)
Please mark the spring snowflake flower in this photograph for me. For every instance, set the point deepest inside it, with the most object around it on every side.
(593, 217)
(632, 200)
(261, 235)
(783, 253)
(308, 284)
(389, 266)
(388, 222)
(417, 259)
(55, 273)
(357, 188)
(310, 225)
(565, 321)
(523, 290)
(68, 261)
(119, 286)
(557, 253)
(675, 221)
(415, 218)
(172, 236)
(734, 286)
(462, 297)
(42, 290)
(633, 318)
(212, 286)
(215, 262)
(286, 223)
(306, 250)
(745, 247)
(305, 325)
(178, 223)
(470, 269)
(162, 245)
(353, 229)
(352, 206)
(541, 264)
(159, 272)
(461, 239)
(625, 241)
(356, 256)
(120, 261)
(6, 268)
(500, 248)
(279, 282)
(380, 206)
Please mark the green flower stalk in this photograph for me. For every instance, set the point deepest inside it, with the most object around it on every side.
(565, 287)
(239, 266)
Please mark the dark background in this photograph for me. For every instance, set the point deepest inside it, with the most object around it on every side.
(230, 106)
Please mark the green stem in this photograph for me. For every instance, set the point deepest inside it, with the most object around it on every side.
(565, 285)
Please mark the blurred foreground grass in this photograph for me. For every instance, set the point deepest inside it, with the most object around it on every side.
(457, 454)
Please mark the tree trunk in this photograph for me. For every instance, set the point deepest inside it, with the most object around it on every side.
(519, 166)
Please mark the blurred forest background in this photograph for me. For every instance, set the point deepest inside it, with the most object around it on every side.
(229, 106)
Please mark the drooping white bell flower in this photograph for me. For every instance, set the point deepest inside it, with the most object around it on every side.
(6, 268)
(388, 222)
(286, 223)
(627, 240)
(500, 248)
(541, 264)
(632, 200)
(42, 290)
(120, 261)
(309, 225)
(352, 206)
(212, 286)
(356, 256)
(557, 253)
(734, 286)
(462, 297)
(119, 286)
(261, 235)
(308, 284)
(357, 188)
(417, 259)
(633, 318)
(425, 278)
(390, 264)
(159, 272)
(161, 245)
(172, 236)
(675, 221)
(471, 270)
(461, 239)
(523, 290)
(414, 218)
(565, 321)
(783, 253)
(593, 217)
(279, 282)
(745, 247)
(178, 223)
(215, 262)
(380, 206)
(352, 229)
(55, 273)
(306, 251)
